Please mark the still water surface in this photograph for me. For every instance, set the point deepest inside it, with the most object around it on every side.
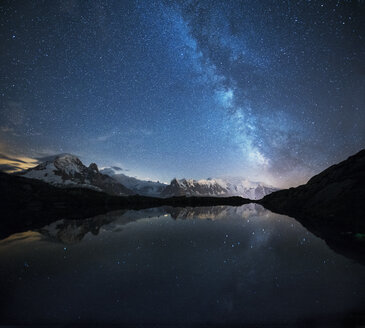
(193, 265)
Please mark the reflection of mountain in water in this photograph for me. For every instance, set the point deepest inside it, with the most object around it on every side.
(250, 260)
(216, 212)
(73, 231)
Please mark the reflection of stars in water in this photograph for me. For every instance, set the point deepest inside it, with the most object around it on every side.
(228, 276)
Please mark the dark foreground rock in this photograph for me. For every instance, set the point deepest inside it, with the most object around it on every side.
(331, 205)
(336, 195)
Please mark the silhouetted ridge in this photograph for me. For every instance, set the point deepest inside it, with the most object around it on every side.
(335, 195)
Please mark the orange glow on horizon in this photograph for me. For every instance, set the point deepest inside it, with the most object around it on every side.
(18, 163)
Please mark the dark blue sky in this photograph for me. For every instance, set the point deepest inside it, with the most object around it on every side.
(269, 90)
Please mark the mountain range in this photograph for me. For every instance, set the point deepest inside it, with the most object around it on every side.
(331, 205)
(140, 187)
(66, 170)
(223, 187)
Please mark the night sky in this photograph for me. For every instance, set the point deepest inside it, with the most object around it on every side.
(272, 91)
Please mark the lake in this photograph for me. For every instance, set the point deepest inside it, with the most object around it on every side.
(212, 265)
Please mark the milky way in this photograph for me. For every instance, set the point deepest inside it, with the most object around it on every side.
(269, 90)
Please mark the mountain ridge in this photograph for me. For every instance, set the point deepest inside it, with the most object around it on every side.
(334, 195)
(141, 187)
(219, 187)
(67, 170)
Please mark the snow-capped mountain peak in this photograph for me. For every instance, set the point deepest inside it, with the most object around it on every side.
(221, 187)
(70, 164)
(190, 187)
(67, 170)
(141, 187)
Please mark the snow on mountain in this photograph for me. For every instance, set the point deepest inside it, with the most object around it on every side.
(223, 187)
(141, 187)
(67, 170)
(238, 186)
(190, 187)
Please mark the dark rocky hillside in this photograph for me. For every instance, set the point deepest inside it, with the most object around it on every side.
(331, 205)
(335, 195)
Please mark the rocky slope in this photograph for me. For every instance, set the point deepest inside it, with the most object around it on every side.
(190, 187)
(140, 187)
(223, 187)
(68, 171)
(335, 196)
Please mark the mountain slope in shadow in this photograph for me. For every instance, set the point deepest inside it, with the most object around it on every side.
(331, 205)
(335, 195)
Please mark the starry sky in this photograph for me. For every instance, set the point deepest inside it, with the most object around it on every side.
(273, 91)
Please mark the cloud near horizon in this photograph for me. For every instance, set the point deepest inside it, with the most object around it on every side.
(12, 164)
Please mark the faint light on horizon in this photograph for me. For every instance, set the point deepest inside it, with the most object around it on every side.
(18, 163)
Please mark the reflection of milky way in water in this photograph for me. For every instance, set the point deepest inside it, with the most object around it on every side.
(219, 264)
